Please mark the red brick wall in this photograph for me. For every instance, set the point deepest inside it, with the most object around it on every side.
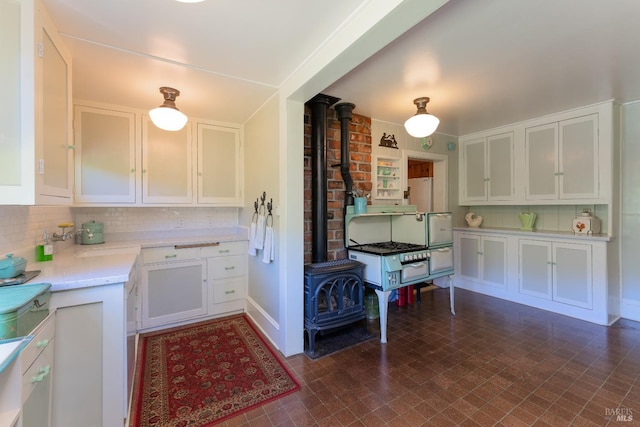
(360, 167)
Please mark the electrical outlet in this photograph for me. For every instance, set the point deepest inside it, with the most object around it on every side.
(179, 223)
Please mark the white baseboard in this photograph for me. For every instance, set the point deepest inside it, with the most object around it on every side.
(630, 309)
(267, 324)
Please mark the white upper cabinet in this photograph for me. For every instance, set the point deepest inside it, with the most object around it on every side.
(37, 161)
(105, 156)
(166, 165)
(219, 174)
(123, 159)
(487, 168)
(562, 160)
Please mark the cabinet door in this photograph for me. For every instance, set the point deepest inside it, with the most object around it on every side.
(219, 165)
(572, 274)
(541, 162)
(579, 158)
(166, 165)
(474, 168)
(469, 256)
(500, 167)
(173, 292)
(535, 272)
(15, 177)
(494, 261)
(53, 123)
(105, 156)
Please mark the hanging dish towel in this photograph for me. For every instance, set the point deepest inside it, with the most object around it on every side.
(259, 240)
(252, 239)
(269, 246)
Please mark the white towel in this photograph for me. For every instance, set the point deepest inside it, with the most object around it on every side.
(269, 246)
(252, 239)
(259, 241)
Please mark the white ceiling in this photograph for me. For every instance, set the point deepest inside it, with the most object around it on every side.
(483, 63)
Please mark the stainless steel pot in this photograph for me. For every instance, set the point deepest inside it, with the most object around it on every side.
(92, 233)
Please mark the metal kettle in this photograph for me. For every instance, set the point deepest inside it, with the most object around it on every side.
(92, 233)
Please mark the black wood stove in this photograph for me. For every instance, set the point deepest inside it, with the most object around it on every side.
(334, 290)
(333, 296)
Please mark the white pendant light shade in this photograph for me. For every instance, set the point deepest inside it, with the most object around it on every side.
(167, 116)
(422, 124)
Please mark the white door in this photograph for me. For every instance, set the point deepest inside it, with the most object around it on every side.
(105, 156)
(474, 168)
(494, 261)
(55, 162)
(469, 257)
(173, 292)
(219, 165)
(541, 162)
(500, 167)
(579, 158)
(535, 272)
(572, 274)
(166, 165)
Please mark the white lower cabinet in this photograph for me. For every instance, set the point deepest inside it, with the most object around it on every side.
(483, 259)
(37, 375)
(90, 364)
(554, 273)
(180, 285)
(557, 271)
(173, 292)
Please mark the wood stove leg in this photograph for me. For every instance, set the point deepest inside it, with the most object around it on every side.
(383, 305)
(311, 334)
(451, 286)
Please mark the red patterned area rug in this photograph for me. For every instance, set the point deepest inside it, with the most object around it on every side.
(199, 375)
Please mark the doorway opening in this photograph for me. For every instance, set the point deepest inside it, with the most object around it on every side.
(430, 192)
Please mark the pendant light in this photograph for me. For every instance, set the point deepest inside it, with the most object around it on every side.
(167, 116)
(422, 124)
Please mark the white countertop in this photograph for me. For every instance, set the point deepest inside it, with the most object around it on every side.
(82, 266)
(536, 233)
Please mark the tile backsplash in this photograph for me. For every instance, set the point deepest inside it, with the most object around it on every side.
(22, 227)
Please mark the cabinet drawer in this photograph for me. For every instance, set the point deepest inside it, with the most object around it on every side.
(222, 267)
(228, 289)
(43, 338)
(168, 253)
(38, 374)
(225, 249)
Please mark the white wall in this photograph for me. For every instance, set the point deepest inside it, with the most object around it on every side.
(630, 229)
(262, 172)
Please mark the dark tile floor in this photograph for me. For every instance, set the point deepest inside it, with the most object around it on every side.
(494, 363)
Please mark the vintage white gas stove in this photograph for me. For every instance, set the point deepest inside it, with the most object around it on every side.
(400, 247)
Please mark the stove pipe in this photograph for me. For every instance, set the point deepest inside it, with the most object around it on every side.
(345, 113)
(319, 106)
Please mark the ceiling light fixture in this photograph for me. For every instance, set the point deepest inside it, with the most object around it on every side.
(422, 124)
(167, 116)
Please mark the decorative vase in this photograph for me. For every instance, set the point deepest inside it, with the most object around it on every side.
(473, 220)
(527, 220)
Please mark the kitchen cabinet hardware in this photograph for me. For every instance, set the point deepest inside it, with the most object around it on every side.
(42, 373)
(197, 245)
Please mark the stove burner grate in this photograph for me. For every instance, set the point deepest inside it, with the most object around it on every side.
(388, 247)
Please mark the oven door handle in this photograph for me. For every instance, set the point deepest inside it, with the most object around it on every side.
(416, 264)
